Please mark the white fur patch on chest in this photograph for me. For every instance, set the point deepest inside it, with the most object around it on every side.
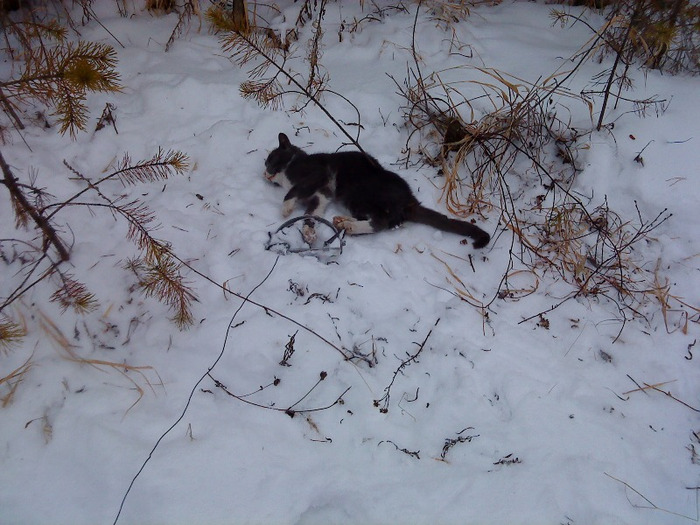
(279, 178)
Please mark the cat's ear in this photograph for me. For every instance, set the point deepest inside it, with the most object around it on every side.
(284, 141)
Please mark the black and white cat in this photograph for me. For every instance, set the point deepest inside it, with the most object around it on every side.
(376, 198)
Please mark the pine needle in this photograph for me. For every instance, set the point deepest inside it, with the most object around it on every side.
(11, 333)
(160, 167)
(74, 294)
(62, 76)
(164, 281)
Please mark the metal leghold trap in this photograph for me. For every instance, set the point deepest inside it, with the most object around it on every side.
(292, 237)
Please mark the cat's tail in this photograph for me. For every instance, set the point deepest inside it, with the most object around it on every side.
(437, 220)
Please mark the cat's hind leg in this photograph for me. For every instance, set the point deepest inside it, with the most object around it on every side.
(353, 226)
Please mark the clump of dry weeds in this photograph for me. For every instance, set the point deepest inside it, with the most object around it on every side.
(509, 147)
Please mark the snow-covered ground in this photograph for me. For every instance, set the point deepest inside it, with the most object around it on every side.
(495, 421)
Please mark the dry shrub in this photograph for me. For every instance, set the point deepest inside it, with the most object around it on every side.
(656, 34)
(165, 6)
(509, 144)
(519, 121)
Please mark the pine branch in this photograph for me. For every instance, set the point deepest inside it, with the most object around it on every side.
(141, 222)
(26, 285)
(245, 47)
(20, 201)
(62, 77)
(74, 294)
(71, 112)
(11, 333)
(163, 280)
(233, 18)
(159, 167)
(158, 269)
(267, 94)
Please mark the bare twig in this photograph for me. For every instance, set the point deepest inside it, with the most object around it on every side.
(384, 400)
(651, 505)
(412, 453)
(290, 411)
(236, 39)
(192, 392)
(41, 222)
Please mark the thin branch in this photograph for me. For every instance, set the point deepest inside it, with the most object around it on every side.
(263, 307)
(42, 222)
(192, 392)
(292, 79)
(384, 400)
(291, 411)
(651, 506)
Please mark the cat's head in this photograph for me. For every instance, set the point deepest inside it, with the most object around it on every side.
(279, 158)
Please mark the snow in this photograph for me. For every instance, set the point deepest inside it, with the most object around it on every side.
(495, 421)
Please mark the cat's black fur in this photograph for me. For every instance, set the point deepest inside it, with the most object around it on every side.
(376, 198)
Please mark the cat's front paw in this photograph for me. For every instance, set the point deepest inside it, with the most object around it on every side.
(287, 208)
(309, 234)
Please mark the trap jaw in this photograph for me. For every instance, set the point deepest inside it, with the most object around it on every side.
(290, 238)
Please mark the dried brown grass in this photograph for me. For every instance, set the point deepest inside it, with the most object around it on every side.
(10, 382)
(502, 144)
(68, 351)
